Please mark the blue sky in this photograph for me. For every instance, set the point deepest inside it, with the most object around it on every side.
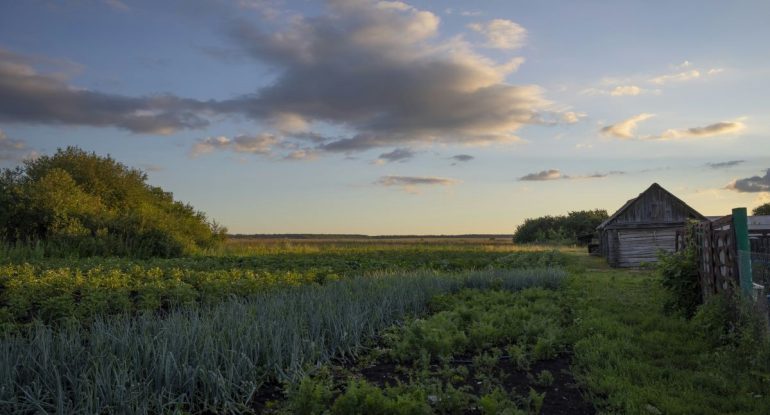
(388, 117)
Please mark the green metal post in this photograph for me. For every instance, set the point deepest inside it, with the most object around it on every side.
(741, 226)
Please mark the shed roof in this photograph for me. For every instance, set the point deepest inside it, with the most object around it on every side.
(630, 202)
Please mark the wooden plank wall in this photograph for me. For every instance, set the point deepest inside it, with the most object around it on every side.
(638, 246)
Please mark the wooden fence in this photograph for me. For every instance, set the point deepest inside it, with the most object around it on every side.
(717, 253)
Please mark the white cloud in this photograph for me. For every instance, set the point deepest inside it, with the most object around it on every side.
(257, 144)
(711, 130)
(684, 74)
(623, 90)
(571, 117)
(501, 33)
(626, 128)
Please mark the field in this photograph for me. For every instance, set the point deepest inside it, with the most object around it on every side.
(346, 326)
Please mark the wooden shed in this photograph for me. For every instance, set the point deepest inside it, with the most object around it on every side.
(644, 225)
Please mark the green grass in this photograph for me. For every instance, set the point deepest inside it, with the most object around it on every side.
(635, 359)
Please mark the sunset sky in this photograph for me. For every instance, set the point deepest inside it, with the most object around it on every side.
(427, 117)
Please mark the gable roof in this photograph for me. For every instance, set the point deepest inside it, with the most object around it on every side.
(652, 187)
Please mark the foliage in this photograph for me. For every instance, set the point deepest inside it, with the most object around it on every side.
(559, 229)
(478, 320)
(679, 275)
(762, 210)
(734, 327)
(81, 204)
(362, 398)
(436, 384)
(633, 358)
(213, 358)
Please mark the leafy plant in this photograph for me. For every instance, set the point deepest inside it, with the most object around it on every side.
(679, 275)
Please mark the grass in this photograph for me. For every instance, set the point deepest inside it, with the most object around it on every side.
(635, 359)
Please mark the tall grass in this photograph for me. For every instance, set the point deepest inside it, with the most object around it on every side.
(215, 358)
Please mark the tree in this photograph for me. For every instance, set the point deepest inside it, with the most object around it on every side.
(559, 229)
(762, 210)
(79, 202)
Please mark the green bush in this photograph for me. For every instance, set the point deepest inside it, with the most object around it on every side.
(679, 273)
(75, 203)
(559, 229)
(732, 324)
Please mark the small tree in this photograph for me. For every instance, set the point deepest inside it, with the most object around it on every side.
(761, 210)
(81, 203)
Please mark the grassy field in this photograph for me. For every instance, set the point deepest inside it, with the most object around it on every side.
(387, 327)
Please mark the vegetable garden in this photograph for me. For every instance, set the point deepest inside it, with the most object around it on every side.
(376, 328)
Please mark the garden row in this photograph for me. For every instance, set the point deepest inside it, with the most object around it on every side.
(218, 358)
(485, 352)
(80, 289)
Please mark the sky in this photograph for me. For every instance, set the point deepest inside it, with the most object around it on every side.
(383, 117)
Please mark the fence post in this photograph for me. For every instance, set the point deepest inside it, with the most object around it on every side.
(741, 226)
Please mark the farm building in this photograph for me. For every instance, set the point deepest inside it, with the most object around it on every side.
(644, 225)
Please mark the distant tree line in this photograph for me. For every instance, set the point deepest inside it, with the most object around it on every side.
(559, 229)
(81, 204)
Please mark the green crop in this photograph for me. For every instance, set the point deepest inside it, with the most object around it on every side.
(215, 357)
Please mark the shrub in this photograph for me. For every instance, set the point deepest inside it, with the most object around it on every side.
(679, 273)
(559, 229)
(80, 204)
(731, 323)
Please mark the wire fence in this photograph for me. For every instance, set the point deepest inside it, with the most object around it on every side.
(760, 276)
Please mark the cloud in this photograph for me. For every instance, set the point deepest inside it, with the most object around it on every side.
(466, 13)
(461, 158)
(626, 128)
(711, 130)
(151, 167)
(619, 90)
(399, 154)
(623, 90)
(501, 33)
(543, 175)
(381, 72)
(684, 74)
(411, 184)
(117, 5)
(571, 117)
(302, 154)
(415, 181)
(555, 174)
(13, 149)
(725, 164)
(752, 184)
(27, 96)
(257, 144)
(676, 77)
